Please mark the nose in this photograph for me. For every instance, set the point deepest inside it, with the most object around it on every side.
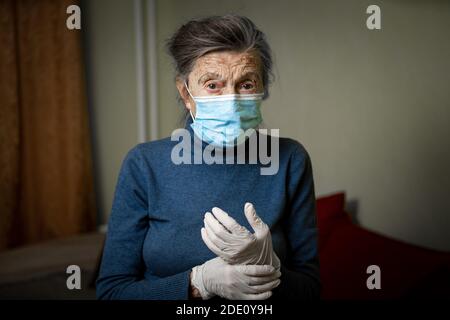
(230, 89)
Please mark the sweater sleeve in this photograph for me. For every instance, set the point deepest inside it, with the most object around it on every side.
(300, 277)
(122, 268)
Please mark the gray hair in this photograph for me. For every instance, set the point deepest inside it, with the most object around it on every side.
(219, 33)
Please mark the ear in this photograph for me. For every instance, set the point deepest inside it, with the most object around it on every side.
(184, 94)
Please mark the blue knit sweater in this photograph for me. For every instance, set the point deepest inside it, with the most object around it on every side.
(154, 239)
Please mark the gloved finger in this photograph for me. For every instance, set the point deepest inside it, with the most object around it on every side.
(228, 250)
(254, 281)
(212, 246)
(257, 270)
(213, 226)
(262, 287)
(255, 221)
(214, 239)
(217, 228)
(232, 225)
(257, 296)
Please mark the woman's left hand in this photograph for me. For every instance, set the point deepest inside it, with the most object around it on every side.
(234, 243)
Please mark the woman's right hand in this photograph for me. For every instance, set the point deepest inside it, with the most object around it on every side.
(236, 282)
(234, 243)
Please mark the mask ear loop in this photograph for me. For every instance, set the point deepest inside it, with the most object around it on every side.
(185, 84)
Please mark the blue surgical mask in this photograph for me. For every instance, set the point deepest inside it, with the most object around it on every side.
(221, 120)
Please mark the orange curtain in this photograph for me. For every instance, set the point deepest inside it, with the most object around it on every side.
(46, 183)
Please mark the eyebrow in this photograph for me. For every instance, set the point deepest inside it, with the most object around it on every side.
(208, 75)
(248, 75)
(213, 75)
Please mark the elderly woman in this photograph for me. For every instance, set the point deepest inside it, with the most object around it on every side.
(221, 230)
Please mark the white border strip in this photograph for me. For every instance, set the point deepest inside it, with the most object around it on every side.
(141, 83)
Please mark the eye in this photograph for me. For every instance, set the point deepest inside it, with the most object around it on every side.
(247, 86)
(213, 87)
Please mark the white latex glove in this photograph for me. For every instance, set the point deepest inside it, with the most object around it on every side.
(237, 282)
(234, 243)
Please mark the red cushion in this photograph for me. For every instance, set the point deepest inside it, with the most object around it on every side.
(330, 210)
(331, 205)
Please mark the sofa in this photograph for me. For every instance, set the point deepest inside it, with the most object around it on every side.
(346, 250)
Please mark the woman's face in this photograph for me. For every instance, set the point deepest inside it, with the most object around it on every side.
(220, 73)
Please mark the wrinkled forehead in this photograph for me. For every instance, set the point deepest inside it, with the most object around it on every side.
(227, 65)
